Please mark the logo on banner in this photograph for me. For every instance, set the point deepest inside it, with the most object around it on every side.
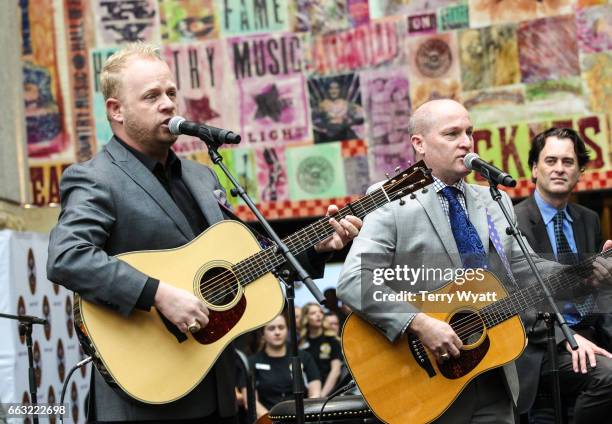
(81, 357)
(69, 323)
(21, 310)
(51, 401)
(37, 363)
(46, 311)
(61, 361)
(315, 174)
(74, 397)
(31, 271)
(25, 400)
(433, 58)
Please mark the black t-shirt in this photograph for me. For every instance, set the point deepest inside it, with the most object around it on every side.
(323, 349)
(273, 377)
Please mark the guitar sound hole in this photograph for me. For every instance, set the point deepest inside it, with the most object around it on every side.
(219, 286)
(468, 325)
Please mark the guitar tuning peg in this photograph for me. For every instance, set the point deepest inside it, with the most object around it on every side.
(387, 175)
(397, 169)
(412, 196)
(409, 163)
(402, 202)
(425, 190)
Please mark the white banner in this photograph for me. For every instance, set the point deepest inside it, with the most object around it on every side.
(25, 290)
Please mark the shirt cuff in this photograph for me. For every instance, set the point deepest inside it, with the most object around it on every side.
(147, 296)
(405, 329)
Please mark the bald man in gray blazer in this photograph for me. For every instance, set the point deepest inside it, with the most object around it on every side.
(420, 230)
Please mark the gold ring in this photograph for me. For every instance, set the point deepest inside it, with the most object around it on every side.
(194, 327)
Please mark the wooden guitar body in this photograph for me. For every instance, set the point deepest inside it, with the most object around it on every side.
(403, 383)
(147, 361)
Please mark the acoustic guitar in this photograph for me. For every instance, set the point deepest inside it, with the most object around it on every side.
(403, 383)
(146, 357)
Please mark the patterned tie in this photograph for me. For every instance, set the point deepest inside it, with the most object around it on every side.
(468, 242)
(564, 252)
(572, 312)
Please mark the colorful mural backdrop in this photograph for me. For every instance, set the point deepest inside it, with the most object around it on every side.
(322, 91)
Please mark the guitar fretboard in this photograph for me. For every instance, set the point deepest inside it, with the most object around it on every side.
(253, 267)
(523, 299)
(260, 263)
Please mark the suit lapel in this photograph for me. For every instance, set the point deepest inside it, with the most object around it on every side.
(147, 181)
(202, 190)
(538, 228)
(431, 204)
(477, 212)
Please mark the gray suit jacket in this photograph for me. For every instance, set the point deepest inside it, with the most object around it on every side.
(421, 229)
(113, 204)
(587, 234)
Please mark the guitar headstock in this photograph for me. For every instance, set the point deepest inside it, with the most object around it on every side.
(408, 181)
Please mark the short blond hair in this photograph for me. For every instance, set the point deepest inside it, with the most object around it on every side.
(110, 77)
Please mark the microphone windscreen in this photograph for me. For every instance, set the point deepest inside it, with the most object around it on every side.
(174, 125)
(468, 159)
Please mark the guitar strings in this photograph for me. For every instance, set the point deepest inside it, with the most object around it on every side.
(222, 284)
(225, 279)
(465, 326)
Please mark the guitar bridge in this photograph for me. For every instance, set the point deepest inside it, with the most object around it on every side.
(420, 355)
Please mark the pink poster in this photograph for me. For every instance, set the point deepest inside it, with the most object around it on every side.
(387, 103)
(274, 110)
(272, 174)
(206, 94)
(126, 21)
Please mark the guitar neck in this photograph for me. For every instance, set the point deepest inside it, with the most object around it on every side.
(268, 259)
(569, 277)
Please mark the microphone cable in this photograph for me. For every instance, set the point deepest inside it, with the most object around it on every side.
(65, 386)
(341, 390)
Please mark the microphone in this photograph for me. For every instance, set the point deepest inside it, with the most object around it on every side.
(473, 162)
(179, 125)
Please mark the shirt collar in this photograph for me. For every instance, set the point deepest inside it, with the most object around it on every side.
(439, 185)
(548, 211)
(172, 162)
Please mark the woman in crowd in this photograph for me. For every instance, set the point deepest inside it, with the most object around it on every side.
(324, 346)
(272, 368)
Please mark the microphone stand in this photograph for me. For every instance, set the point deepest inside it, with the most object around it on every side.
(301, 273)
(25, 329)
(549, 318)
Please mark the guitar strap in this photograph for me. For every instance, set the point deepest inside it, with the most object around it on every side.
(499, 248)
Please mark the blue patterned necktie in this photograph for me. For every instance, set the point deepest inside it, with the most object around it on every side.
(468, 242)
(572, 312)
(564, 251)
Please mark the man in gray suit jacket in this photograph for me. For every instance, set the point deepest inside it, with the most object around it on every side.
(136, 194)
(421, 230)
(557, 157)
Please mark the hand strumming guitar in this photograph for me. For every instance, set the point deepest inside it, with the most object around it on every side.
(437, 336)
(182, 308)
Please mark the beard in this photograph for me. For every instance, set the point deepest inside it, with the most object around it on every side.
(146, 134)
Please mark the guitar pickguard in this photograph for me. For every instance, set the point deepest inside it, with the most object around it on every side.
(468, 360)
(220, 322)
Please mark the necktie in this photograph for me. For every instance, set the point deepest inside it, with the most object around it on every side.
(572, 312)
(468, 242)
(564, 252)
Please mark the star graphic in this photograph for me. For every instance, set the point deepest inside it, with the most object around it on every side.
(199, 110)
(270, 104)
